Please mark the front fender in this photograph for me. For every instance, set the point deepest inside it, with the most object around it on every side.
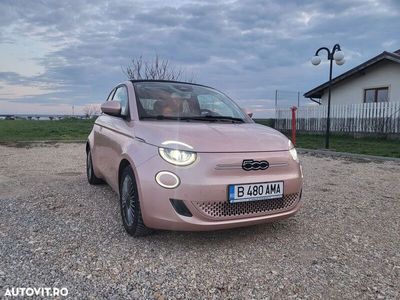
(89, 141)
(137, 153)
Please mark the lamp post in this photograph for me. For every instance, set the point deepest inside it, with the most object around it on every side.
(337, 55)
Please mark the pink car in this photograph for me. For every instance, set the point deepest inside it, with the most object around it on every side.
(184, 156)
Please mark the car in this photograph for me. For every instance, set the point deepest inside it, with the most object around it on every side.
(184, 156)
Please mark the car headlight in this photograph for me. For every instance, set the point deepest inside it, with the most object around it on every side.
(177, 157)
(293, 152)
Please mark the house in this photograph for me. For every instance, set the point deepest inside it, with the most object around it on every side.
(376, 80)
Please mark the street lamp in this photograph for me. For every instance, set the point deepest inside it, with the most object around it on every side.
(336, 55)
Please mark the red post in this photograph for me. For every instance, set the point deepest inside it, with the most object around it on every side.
(294, 108)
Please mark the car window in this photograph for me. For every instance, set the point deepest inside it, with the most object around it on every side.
(111, 95)
(121, 95)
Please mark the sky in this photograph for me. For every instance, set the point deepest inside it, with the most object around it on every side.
(59, 54)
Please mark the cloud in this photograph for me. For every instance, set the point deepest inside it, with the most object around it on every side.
(246, 48)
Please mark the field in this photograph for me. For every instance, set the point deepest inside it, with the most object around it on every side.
(64, 130)
(343, 143)
(78, 130)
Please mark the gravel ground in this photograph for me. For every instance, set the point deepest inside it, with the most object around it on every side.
(58, 231)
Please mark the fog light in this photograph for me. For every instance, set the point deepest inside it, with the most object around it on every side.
(167, 179)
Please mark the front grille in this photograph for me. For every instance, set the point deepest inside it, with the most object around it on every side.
(242, 209)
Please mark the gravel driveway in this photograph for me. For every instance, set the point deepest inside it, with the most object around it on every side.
(58, 231)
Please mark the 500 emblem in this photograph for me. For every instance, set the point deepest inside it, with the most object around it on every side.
(250, 164)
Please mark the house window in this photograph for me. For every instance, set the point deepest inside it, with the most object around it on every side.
(376, 95)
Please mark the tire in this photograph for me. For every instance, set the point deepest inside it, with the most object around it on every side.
(130, 205)
(91, 177)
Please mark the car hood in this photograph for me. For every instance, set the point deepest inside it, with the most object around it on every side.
(212, 137)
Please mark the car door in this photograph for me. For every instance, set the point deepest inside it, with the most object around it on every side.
(111, 136)
(97, 148)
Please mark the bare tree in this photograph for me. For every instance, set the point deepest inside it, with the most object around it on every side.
(91, 110)
(155, 69)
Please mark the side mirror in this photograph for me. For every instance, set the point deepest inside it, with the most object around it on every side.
(112, 108)
(248, 112)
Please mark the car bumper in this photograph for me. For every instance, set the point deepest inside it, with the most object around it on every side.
(203, 191)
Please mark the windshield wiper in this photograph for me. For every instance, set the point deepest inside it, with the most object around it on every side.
(208, 118)
(218, 118)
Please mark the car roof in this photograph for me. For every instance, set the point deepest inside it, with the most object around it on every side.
(169, 81)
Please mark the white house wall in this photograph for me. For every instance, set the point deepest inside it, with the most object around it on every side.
(351, 90)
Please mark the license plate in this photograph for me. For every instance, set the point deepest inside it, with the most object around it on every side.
(255, 191)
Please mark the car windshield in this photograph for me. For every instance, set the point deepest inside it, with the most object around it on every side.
(181, 101)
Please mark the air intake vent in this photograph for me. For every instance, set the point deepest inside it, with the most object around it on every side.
(224, 210)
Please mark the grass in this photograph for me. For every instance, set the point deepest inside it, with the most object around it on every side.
(64, 130)
(344, 143)
(266, 122)
(77, 129)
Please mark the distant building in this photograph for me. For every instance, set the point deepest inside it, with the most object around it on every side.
(376, 80)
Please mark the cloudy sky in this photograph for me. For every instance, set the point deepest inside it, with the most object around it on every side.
(55, 54)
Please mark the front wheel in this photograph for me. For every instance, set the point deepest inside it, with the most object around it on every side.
(130, 206)
(91, 177)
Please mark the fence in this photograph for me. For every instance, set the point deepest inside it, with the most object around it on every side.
(381, 117)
